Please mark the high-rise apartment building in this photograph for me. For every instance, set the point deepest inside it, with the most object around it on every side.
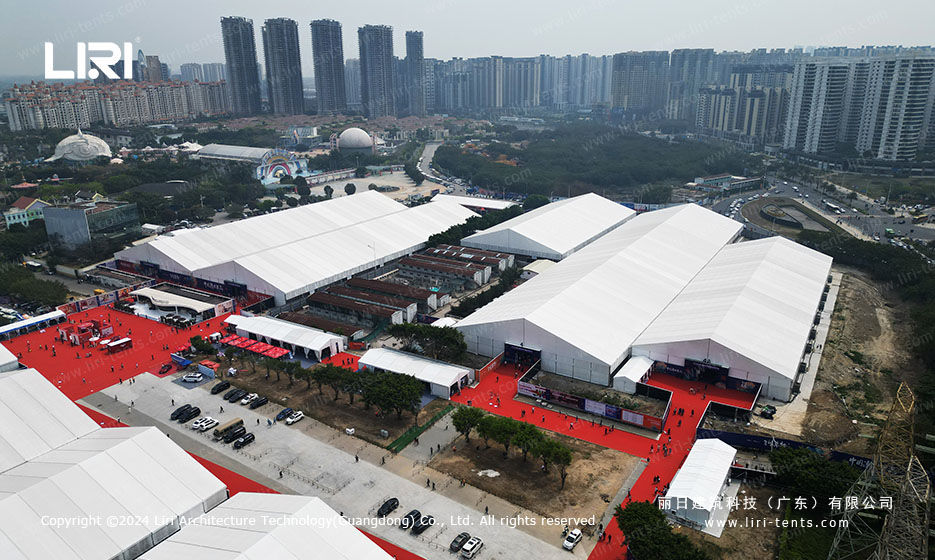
(192, 72)
(214, 71)
(242, 69)
(283, 66)
(639, 81)
(152, 71)
(352, 82)
(328, 60)
(689, 69)
(377, 71)
(415, 72)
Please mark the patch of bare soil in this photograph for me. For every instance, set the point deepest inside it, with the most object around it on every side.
(594, 477)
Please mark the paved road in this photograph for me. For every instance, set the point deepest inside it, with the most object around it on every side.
(318, 460)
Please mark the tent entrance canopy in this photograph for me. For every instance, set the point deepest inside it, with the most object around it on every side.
(631, 373)
(519, 354)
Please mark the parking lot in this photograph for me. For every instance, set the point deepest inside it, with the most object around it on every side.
(348, 474)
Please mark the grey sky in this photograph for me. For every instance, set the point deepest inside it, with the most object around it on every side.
(189, 31)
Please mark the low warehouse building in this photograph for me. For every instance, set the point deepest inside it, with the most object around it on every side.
(441, 379)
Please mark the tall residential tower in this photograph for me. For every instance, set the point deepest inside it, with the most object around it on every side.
(283, 66)
(242, 71)
(377, 75)
(415, 73)
(328, 58)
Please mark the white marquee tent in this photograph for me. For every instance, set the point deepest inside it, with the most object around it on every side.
(266, 526)
(291, 253)
(584, 313)
(694, 493)
(299, 339)
(750, 310)
(440, 376)
(8, 360)
(555, 230)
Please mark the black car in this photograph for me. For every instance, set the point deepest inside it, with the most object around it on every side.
(189, 414)
(230, 393)
(258, 402)
(165, 369)
(283, 414)
(234, 434)
(220, 387)
(409, 519)
(180, 411)
(239, 394)
(422, 524)
(388, 507)
(244, 440)
(459, 541)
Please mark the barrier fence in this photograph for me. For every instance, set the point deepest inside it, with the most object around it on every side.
(605, 410)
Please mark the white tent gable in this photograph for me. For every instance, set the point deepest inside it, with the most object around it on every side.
(703, 473)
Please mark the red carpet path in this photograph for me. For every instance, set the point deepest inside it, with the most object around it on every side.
(80, 377)
(501, 382)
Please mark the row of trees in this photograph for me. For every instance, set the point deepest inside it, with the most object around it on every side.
(385, 391)
(525, 437)
(413, 172)
(649, 534)
(456, 233)
(470, 304)
(440, 343)
(23, 285)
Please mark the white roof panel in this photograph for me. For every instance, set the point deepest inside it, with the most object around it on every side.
(262, 526)
(555, 230)
(276, 329)
(601, 298)
(757, 298)
(421, 368)
(635, 368)
(475, 202)
(703, 473)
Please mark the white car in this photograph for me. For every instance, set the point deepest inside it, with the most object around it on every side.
(294, 417)
(196, 425)
(208, 424)
(249, 398)
(472, 547)
(572, 539)
(193, 377)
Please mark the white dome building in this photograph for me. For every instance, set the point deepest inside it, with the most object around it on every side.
(81, 147)
(353, 140)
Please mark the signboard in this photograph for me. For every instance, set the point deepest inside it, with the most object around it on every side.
(588, 405)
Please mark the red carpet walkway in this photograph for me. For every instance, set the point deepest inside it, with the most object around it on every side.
(495, 394)
(78, 376)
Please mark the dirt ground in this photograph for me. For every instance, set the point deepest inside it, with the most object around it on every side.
(322, 406)
(594, 478)
(742, 543)
(645, 405)
(864, 359)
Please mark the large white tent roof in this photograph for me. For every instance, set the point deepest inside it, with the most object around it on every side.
(8, 360)
(35, 418)
(555, 230)
(313, 262)
(703, 473)
(119, 473)
(188, 250)
(421, 368)
(291, 333)
(602, 297)
(236, 153)
(265, 526)
(475, 201)
(756, 298)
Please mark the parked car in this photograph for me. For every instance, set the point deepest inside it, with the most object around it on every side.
(422, 524)
(190, 414)
(234, 434)
(388, 507)
(295, 417)
(283, 414)
(244, 440)
(410, 519)
(239, 394)
(459, 542)
(193, 377)
(572, 539)
(230, 393)
(768, 412)
(196, 425)
(472, 547)
(165, 368)
(258, 402)
(220, 387)
(249, 398)
(208, 425)
(180, 411)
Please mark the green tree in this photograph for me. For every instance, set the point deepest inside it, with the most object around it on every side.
(328, 191)
(465, 419)
(562, 458)
(650, 536)
(526, 438)
(350, 189)
(505, 430)
(487, 428)
(534, 201)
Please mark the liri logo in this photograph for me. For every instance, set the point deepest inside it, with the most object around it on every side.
(102, 62)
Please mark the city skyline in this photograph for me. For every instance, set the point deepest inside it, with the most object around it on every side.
(596, 28)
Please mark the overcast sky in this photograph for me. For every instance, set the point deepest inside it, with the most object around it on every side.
(189, 31)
